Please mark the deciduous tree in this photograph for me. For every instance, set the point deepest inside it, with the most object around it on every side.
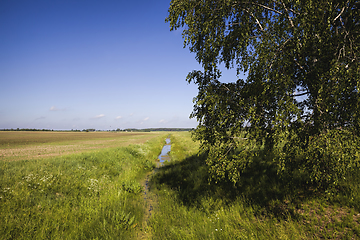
(303, 75)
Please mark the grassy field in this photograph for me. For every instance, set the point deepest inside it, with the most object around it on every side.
(89, 195)
(99, 194)
(29, 145)
(261, 207)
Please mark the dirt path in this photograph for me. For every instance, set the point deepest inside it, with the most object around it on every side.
(150, 200)
(149, 204)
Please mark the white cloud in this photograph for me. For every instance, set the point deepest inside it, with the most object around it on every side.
(54, 108)
(99, 116)
(162, 121)
(145, 119)
(118, 117)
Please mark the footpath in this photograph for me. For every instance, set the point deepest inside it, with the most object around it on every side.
(150, 198)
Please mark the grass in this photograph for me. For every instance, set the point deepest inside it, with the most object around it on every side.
(262, 206)
(91, 195)
(98, 194)
(30, 145)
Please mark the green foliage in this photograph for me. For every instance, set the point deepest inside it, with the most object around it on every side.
(303, 79)
(326, 160)
(132, 186)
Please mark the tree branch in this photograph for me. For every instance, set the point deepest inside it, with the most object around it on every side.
(257, 21)
(298, 95)
(266, 7)
(342, 10)
(279, 50)
(297, 63)
(223, 84)
(240, 138)
(291, 22)
(231, 145)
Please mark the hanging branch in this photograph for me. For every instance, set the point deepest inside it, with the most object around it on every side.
(288, 16)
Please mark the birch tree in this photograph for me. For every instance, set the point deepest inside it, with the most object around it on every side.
(303, 77)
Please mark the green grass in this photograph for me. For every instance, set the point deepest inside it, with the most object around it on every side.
(261, 206)
(20, 138)
(99, 195)
(94, 195)
(20, 145)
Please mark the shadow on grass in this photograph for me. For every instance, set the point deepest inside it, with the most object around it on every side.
(260, 186)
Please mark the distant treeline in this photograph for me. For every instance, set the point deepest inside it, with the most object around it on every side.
(26, 129)
(94, 130)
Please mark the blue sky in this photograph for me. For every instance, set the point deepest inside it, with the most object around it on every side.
(93, 64)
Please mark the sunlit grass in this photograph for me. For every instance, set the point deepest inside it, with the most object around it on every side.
(99, 195)
(30, 145)
(94, 195)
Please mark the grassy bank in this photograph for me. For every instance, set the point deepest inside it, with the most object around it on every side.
(263, 206)
(92, 195)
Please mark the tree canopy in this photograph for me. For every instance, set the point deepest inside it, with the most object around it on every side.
(303, 75)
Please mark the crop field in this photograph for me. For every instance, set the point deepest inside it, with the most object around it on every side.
(16, 145)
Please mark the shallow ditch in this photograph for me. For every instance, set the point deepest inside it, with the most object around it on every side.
(164, 155)
(149, 198)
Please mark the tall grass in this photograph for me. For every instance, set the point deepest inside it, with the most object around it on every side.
(262, 206)
(98, 195)
(94, 195)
